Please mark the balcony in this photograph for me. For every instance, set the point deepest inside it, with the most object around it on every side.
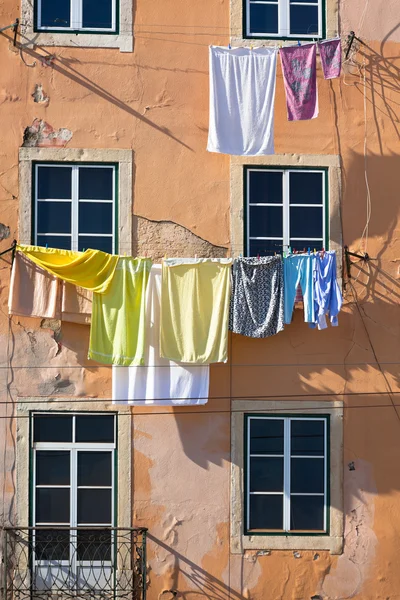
(44, 563)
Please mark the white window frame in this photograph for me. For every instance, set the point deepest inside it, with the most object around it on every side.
(286, 207)
(75, 201)
(286, 470)
(76, 16)
(284, 20)
(73, 448)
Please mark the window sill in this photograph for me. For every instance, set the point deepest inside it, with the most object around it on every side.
(291, 542)
(123, 41)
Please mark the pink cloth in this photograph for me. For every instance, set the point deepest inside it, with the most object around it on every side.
(331, 58)
(299, 70)
(36, 293)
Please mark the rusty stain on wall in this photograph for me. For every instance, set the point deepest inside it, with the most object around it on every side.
(41, 135)
(151, 238)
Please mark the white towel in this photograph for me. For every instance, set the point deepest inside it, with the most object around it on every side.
(160, 382)
(242, 93)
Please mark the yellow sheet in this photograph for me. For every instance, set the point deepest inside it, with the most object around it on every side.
(117, 332)
(195, 298)
(92, 270)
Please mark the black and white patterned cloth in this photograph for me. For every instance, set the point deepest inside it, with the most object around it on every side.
(257, 308)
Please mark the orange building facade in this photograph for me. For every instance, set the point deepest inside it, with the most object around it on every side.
(135, 98)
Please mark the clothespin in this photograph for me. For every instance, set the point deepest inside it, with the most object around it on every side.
(309, 252)
(304, 250)
(323, 252)
(195, 256)
(230, 47)
(290, 250)
(298, 43)
(83, 250)
(47, 246)
(240, 255)
(258, 256)
(251, 46)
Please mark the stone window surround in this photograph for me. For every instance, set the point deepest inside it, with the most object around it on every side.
(124, 158)
(124, 444)
(122, 40)
(332, 162)
(237, 20)
(332, 542)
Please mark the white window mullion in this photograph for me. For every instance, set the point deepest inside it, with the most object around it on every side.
(284, 18)
(76, 14)
(286, 476)
(286, 210)
(75, 208)
(320, 17)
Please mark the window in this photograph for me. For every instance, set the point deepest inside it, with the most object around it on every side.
(286, 474)
(76, 15)
(284, 19)
(73, 479)
(286, 207)
(75, 206)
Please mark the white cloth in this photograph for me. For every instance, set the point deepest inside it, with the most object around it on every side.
(242, 93)
(160, 382)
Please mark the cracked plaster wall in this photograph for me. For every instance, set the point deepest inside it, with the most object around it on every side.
(155, 102)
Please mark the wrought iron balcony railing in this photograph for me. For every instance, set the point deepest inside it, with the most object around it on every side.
(48, 563)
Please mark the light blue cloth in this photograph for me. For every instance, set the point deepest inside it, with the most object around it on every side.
(299, 269)
(327, 296)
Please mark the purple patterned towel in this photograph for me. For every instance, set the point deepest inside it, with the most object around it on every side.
(331, 58)
(300, 79)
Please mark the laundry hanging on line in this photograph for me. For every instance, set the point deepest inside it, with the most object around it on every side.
(118, 318)
(159, 382)
(92, 270)
(331, 57)
(34, 292)
(299, 69)
(257, 305)
(195, 301)
(242, 94)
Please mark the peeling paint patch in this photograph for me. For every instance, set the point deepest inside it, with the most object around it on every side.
(152, 237)
(39, 95)
(42, 135)
(4, 232)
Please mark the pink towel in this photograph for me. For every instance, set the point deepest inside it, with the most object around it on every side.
(331, 58)
(300, 79)
(36, 293)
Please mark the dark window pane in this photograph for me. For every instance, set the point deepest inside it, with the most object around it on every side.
(263, 18)
(300, 245)
(94, 545)
(266, 436)
(266, 221)
(95, 217)
(265, 187)
(54, 217)
(97, 14)
(49, 428)
(307, 513)
(63, 242)
(54, 182)
(55, 13)
(95, 428)
(52, 505)
(52, 467)
(265, 247)
(266, 512)
(304, 19)
(96, 183)
(306, 222)
(307, 475)
(52, 544)
(94, 506)
(94, 468)
(266, 474)
(105, 244)
(306, 188)
(307, 437)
